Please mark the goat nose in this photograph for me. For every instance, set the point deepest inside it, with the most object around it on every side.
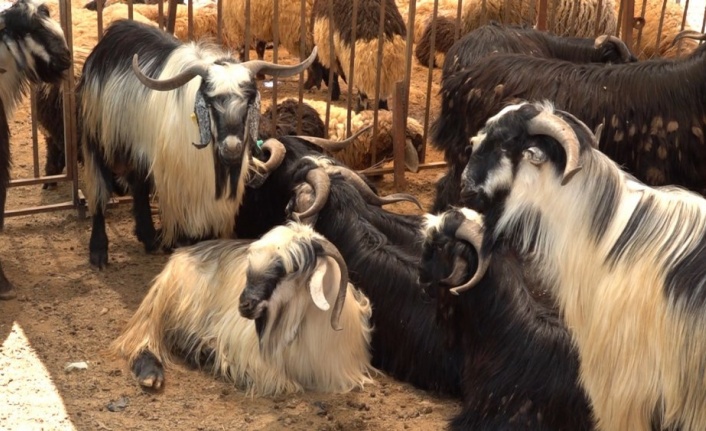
(246, 307)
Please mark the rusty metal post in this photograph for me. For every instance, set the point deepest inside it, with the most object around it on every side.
(628, 21)
(542, 16)
(171, 16)
(398, 135)
(351, 69)
(189, 19)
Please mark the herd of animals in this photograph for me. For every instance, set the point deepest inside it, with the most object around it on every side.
(558, 282)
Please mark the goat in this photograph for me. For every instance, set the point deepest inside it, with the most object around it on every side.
(658, 135)
(624, 261)
(497, 38)
(520, 369)
(32, 50)
(365, 65)
(255, 313)
(382, 253)
(199, 94)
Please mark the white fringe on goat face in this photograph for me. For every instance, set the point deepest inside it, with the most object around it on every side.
(154, 131)
(193, 304)
(628, 266)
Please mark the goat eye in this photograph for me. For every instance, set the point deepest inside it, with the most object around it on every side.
(43, 10)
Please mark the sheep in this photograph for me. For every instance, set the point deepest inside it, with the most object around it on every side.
(255, 313)
(50, 102)
(520, 368)
(175, 95)
(288, 113)
(624, 261)
(445, 32)
(366, 67)
(359, 155)
(424, 13)
(652, 111)
(382, 253)
(497, 38)
(650, 30)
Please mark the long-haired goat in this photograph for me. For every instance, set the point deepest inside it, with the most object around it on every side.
(256, 313)
(377, 245)
(32, 50)
(365, 65)
(520, 368)
(654, 111)
(625, 262)
(139, 123)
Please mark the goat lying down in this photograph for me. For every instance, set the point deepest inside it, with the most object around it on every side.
(256, 313)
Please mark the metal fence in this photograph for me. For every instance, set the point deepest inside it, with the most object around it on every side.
(630, 14)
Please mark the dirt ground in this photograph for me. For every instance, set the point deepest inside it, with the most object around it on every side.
(67, 311)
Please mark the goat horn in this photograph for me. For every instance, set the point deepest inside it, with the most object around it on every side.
(596, 135)
(330, 145)
(689, 34)
(321, 184)
(277, 152)
(460, 266)
(555, 127)
(279, 70)
(366, 192)
(625, 53)
(331, 251)
(169, 83)
(472, 232)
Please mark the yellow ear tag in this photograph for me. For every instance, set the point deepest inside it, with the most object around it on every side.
(193, 117)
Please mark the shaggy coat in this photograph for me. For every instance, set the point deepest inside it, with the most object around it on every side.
(378, 248)
(656, 134)
(196, 306)
(624, 261)
(365, 66)
(520, 368)
(359, 154)
(288, 114)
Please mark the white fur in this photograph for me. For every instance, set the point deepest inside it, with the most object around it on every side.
(158, 130)
(640, 351)
(197, 296)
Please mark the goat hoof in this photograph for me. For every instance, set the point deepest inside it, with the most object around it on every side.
(7, 291)
(148, 370)
(99, 258)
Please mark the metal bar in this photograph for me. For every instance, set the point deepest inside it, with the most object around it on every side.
(40, 209)
(638, 43)
(628, 19)
(430, 76)
(160, 14)
(683, 25)
(619, 23)
(40, 180)
(302, 56)
(171, 18)
(219, 22)
(378, 76)
(189, 18)
(275, 51)
(129, 9)
(69, 106)
(459, 15)
(599, 14)
(35, 141)
(351, 69)
(398, 135)
(332, 58)
(382, 171)
(99, 19)
(248, 35)
(542, 16)
(659, 27)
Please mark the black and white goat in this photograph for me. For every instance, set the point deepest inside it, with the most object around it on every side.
(256, 313)
(139, 123)
(654, 112)
(32, 50)
(382, 253)
(625, 262)
(520, 368)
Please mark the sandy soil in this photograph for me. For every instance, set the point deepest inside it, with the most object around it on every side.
(68, 312)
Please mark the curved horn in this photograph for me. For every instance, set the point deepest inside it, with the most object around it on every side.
(689, 34)
(553, 126)
(169, 83)
(625, 53)
(331, 251)
(279, 70)
(366, 192)
(321, 183)
(472, 232)
(277, 152)
(596, 135)
(330, 145)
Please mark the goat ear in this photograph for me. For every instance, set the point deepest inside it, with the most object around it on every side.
(325, 274)
(411, 156)
(203, 121)
(535, 156)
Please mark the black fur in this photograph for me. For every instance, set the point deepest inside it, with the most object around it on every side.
(467, 67)
(407, 343)
(288, 120)
(520, 368)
